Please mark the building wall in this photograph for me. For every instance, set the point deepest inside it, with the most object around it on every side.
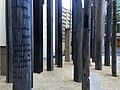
(66, 22)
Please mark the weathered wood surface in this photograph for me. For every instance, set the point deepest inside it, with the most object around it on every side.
(60, 63)
(9, 75)
(32, 47)
(113, 40)
(98, 36)
(77, 42)
(38, 36)
(22, 41)
(56, 32)
(93, 32)
(50, 65)
(108, 33)
(86, 46)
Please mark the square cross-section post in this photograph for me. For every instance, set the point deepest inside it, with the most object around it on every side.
(58, 32)
(108, 31)
(113, 40)
(77, 39)
(9, 75)
(50, 65)
(22, 43)
(38, 36)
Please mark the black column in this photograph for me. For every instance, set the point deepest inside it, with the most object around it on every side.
(98, 37)
(22, 41)
(32, 47)
(86, 46)
(58, 36)
(93, 32)
(50, 65)
(108, 33)
(90, 29)
(113, 40)
(9, 40)
(38, 36)
(56, 32)
(77, 32)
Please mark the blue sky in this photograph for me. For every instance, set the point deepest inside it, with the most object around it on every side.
(66, 3)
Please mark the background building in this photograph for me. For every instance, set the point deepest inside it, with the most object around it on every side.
(66, 20)
(66, 23)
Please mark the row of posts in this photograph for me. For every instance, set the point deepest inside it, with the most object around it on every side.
(25, 39)
(88, 25)
(104, 28)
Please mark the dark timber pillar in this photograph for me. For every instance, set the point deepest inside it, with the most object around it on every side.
(98, 37)
(50, 35)
(113, 42)
(32, 47)
(58, 36)
(90, 30)
(93, 31)
(77, 6)
(108, 33)
(85, 47)
(56, 32)
(38, 36)
(9, 41)
(22, 41)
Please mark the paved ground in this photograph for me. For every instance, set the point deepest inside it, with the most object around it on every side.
(62, 79)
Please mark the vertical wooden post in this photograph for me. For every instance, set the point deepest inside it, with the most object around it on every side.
(56, 32)
(22, 41)
(59, 46)
(67, 44)
(93, 32)
(113, 42)
(78, 29)
(108, 33)
(60, 33)
(90, 31)
(9, 41)
(50, 35)
(32, 48)
(38, 36)
(85, 47)
(98, 37)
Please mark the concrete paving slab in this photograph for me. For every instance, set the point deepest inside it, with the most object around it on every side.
(95, 81)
